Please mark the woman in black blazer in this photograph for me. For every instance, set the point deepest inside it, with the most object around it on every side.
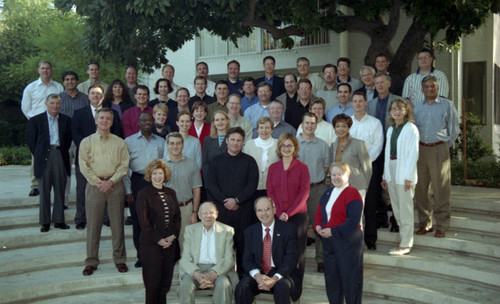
(159, 216)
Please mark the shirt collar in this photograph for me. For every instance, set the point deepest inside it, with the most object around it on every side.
(173, 161)
(50, 117)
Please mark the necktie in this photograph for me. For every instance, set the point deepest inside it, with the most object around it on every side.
(266, 252)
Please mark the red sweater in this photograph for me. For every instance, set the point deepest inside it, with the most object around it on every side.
(345, 215)
(288, 189)
(204, 132)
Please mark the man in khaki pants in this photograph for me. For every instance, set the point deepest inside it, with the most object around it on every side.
(437, 122)
(104, 161)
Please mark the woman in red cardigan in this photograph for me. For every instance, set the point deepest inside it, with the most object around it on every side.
(199, 129)
(288, 186)
(337, 222)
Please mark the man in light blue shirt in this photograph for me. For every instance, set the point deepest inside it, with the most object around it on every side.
(344, 91)
(437, 121)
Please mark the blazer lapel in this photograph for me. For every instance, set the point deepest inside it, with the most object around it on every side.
(197, 242)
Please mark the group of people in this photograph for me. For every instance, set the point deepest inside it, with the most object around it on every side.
(250, 159)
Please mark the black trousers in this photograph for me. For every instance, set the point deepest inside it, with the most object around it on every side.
(137, 182)
(344, 268)
(157, 271)
(247, 289)
(239, 220)
(375, 208)
(301, 221)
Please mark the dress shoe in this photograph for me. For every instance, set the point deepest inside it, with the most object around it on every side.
(400, 251)
(439, 234)
(106, 224)
(89, 270)
(61, 226)
(138, 264)
(382, 225)
(45, 228)
(394, 228)
(424, 230)
(65, 207)
(80, 226)
(310, 241)
(128, 221)
(34, 192)
(122, 267)
(321, 268)
(371, 245)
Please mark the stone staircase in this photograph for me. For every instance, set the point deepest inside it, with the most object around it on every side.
(464, 267)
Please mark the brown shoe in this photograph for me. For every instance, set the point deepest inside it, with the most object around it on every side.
(88, 270)
(424, 230)
(439, 234)
(321, 267)
(122, 267)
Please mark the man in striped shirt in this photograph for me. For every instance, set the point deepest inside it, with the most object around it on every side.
(412, 88)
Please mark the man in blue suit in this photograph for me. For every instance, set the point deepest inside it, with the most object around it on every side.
(83, 125)
(49, 139)
(275, 271)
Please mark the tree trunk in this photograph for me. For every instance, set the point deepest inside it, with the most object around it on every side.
(412, 42)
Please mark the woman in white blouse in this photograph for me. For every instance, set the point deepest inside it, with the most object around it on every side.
(263, 150)
(400, 169)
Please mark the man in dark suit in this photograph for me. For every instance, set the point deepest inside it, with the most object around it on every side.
(378, 107)
(83, 125)
(270, 263)
(49, 140)
(276, 82)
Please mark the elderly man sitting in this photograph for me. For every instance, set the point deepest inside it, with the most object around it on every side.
(212, 267)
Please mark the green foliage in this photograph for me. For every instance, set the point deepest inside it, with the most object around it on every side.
(34, 30)
(483, 173)
(140, 31)
(15, 156)
(476, 148)
(13, 132)
(19, 21)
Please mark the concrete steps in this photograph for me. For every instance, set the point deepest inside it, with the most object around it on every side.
(463, 267)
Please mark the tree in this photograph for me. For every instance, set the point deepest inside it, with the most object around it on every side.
(140, 31)
(35, 30)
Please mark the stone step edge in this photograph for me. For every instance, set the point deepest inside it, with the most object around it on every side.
(464, 274)
(456, 272)
(414, 294)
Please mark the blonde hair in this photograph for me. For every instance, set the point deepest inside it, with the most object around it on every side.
(213, 129)
(160, 107)
(341, 165)
(282, 139)
(400, 103)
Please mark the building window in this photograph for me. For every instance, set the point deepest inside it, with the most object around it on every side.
(320, 37)
(210, 45)
(474, 89)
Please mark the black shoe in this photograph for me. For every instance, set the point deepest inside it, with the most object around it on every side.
(45, 228)
(138, 264)
(61, 226)
(382, 225)
(34, 192)
(394, 224)
(128, 221)
(80, 226)
(106, 224)
(371, 245)
(310, 241)
(65, 207)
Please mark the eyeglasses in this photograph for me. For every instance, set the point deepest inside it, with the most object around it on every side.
(287, 146)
